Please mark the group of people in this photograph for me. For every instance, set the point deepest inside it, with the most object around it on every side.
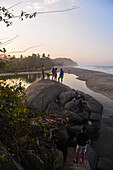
(53, 74)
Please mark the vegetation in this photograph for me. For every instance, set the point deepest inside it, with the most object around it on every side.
(30, 63)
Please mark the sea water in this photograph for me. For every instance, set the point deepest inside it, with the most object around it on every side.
(105, 69)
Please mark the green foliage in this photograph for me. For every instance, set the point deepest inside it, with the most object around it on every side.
(13, 112)
(3, 159)
(27, 64)
(67, 118)
(2, 64)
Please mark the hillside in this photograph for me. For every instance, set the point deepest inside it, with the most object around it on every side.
(64, 62)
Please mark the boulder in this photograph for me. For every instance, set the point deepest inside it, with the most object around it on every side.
(83, 115)
(61, 137)
(41, 93)
(66, 97)
(72, 106)
(73, 117)
(73, 129)
(52, 107)
(59, 160)
(95, 116)
(94, 105)
(33, 162)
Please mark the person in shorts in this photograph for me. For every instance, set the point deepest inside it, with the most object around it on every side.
(82, 139)
(43, 71)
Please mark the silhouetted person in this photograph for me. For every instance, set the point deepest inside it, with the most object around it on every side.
(61, 75)
(53, 73)
(43, 71)
(82, 139)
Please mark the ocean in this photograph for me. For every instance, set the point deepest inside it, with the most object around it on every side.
(105, 69)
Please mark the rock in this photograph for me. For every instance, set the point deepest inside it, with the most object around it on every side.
(72, 106)
(33, 162)
(73, 129)
(59, 160)
(95, 116)
(73, 117)
(66, 97)
(83, 115)
(52, 107)
(8, 162)
(41, 93)
(104, 164)
(62, 137)
(94, 105)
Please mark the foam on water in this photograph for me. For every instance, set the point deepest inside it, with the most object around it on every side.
(105, 69)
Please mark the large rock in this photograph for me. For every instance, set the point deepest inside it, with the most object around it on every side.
(59, 160)
(41, 93)
(33, 162)
(93, 104)
(66, 97)
(72, 117)
(52, 107)
(72, 106)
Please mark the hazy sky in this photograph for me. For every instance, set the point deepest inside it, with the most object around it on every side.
(84, 34)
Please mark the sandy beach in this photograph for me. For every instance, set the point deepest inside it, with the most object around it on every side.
(97, 81)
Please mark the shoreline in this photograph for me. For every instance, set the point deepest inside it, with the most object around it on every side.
(99, 82)
(96, 81)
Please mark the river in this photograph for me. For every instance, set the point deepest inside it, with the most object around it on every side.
(103, 139)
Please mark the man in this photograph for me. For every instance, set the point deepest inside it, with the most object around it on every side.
(61, 75)
(82, 141)
(43, 70)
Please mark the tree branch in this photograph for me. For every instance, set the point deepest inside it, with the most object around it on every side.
(23, 50)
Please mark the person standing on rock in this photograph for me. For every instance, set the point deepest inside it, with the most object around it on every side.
(61, 75)
(53, 73)
(82, 139)
(43, 70)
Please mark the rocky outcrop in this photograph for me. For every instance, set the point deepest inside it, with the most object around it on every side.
(64, 62)
(55, 100)
(51, 96)
(41, 93)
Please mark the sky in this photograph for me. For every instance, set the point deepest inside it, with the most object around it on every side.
(84, 34)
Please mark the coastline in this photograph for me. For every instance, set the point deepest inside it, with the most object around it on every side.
(99, 82)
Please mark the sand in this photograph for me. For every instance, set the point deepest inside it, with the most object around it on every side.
(97, 81)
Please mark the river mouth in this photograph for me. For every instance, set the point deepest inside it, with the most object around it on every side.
(103, 138)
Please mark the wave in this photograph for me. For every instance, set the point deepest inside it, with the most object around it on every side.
(105, 69)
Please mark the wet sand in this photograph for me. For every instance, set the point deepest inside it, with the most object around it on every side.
(97, 81)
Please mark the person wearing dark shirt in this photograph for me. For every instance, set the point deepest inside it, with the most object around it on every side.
(61, 75)
(82, 139)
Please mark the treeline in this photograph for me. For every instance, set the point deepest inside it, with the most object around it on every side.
(30, 63)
